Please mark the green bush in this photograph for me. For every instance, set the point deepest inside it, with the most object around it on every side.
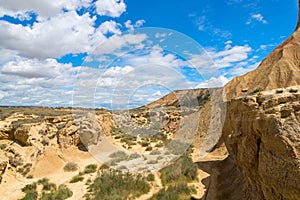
(76, 178)
(47, 185)
(183, 170)
(70, 166)
(111, 185)
(179, 191)
(3, 146)
(91, 168)
(49, 191)
(30, 196)
(174, 192)
(62, 193)
(150, 177)
(134, 156)
(118, 154)
(29, 188)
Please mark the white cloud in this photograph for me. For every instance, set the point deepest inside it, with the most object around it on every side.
(33, 68)
(65, 33)
(111, 8)
(116, 42)
(157, 93)
(201, 23)
(128, 24)
(229, 56)
(240, 70)
(214, 82)
(6, 55)
(257, 17)
(31, 81)
(139, 23)
(44, 9)
(156, 56)
(110, 27)
(118, 71)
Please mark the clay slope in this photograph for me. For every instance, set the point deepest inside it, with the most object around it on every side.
(279, 70)
(193, 97)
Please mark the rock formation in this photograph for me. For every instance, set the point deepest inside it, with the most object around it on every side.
(262, 135)
(261, 130)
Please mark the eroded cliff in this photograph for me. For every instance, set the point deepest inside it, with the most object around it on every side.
(262, 134)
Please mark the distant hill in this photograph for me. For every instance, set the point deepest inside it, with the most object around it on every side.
(278, 70)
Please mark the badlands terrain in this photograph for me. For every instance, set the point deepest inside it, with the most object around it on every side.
(237, 142)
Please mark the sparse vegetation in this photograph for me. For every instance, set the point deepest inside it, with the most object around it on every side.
(178, 191)
(177, 147)
(3, 146)
(155, 152)
(150, 177)
(134, 156)
(24, 170)
(111, 185)
(255, 91)
(60, 194)
(91, 168)
(19, 122)
(47, 185)
(30, 192)
(152, 162)
(76, 178)
(70, 166)
(49, 191)
(182, 170)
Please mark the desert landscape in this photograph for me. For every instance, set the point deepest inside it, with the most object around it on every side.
(240, 141)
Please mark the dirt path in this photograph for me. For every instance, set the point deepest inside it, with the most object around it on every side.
(207, 171)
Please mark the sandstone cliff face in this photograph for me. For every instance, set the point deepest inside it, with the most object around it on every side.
(262, 134)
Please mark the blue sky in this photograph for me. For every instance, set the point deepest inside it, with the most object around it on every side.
(125, 53)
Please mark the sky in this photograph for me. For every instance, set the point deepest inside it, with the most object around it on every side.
(121, 54)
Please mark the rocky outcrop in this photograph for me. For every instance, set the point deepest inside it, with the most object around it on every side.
(106, 122)
(262, 134)
(183, 98)
(22, 134)
(3, 165)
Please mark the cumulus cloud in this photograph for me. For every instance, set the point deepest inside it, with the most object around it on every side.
(128, 24)
(16, 8)
(32, 68)
(156, 56)
(118, 71)
(214, 82)
(110, 27)
(112, 8)
(34, 82)
(65, 33)
(230, 55)
(116, 42)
